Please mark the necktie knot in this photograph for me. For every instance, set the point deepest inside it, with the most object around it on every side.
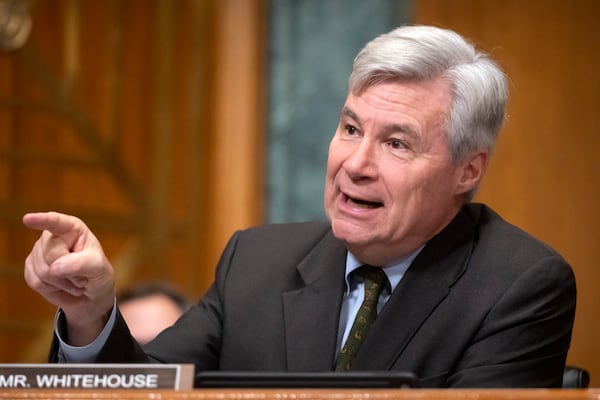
(374, 278)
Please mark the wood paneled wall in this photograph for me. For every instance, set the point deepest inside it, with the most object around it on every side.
(144, 118)
(545, 174)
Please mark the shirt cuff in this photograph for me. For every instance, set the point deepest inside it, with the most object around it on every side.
(87, 353)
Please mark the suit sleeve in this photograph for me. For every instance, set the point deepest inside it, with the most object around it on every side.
(196, 337)
(524, 339)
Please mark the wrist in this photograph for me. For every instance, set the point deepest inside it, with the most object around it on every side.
(81, 330)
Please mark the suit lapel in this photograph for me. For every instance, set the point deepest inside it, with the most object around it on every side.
(426, 283)
(311, 313)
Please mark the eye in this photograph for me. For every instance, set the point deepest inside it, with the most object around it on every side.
(398, 144)
(350, 129)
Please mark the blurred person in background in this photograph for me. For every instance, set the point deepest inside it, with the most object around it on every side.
(149, 308)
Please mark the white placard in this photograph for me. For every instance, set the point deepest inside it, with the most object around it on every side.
(97, 376)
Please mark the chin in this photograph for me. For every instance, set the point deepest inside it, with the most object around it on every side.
(350, 234)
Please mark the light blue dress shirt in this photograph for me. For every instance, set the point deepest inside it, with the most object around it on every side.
(355, 291)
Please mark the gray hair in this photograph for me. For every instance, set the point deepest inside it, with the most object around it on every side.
(479, 87)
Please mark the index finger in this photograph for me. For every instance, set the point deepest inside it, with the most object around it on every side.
(66, 227)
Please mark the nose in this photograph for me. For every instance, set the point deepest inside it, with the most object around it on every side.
(362, 161)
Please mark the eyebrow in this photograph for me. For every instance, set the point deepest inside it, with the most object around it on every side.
(391, 128)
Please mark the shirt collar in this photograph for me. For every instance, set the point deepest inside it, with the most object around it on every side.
(395, 271)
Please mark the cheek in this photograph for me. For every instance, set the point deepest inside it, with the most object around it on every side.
(335, 160)
(440, 186)
(330, 182)
(415, 186)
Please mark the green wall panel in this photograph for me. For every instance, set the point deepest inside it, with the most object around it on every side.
(312, 45)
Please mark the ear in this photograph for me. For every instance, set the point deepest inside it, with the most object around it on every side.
(471, 172)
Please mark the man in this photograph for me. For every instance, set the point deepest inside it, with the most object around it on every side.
(468, 300)
(149, 308)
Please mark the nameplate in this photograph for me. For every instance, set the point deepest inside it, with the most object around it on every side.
(97, 376)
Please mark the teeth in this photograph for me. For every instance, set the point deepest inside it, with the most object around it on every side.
(362, 204)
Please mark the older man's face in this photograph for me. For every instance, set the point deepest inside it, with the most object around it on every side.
(391, 184)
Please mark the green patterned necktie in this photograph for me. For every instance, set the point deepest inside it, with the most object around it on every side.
(374, 280)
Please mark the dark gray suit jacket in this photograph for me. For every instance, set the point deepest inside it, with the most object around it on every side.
(483, 305)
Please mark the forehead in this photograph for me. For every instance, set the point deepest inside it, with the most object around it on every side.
(426, 102)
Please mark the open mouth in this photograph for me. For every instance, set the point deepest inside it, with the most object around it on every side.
(362, 203)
